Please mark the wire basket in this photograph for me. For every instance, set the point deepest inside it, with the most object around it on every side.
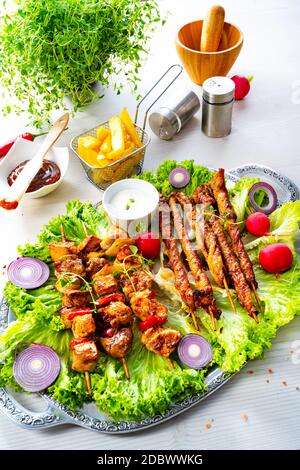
(132, 164)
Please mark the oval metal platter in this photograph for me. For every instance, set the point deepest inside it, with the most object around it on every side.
(89, 416)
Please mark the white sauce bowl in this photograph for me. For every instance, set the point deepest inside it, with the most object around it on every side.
(130, 202)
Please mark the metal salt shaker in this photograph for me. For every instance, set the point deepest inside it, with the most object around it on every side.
(168, 121)
(217, 104)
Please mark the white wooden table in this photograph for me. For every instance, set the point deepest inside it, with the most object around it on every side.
(265, 130)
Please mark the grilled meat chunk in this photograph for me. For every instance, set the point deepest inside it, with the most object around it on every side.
(64, 312)
(73, 283)
(126, 258)
(85, 357)
(142, 305)
(90, 243)
(94, 265)
(83, 326)
(72, 264)
(105, 284)
(76, 298)
(139, 281)
(119, 344)
(116, 314)
(226, 210)
(161, 341)
(59, 249)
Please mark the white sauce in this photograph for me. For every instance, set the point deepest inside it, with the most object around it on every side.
(194, 350)
(130, 203)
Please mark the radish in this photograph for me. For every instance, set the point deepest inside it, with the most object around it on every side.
(242, 86)
(258, 224)
(276, 258)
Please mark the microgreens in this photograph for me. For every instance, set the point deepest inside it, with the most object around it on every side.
(68, 278)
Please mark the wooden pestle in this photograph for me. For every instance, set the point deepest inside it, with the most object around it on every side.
(212, 29)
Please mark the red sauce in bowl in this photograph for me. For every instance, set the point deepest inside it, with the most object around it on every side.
(48, 174)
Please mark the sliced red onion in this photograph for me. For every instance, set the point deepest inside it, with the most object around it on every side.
(179, 177)
(269, 191)
(36, 368)
(194, 351)
(28, 272)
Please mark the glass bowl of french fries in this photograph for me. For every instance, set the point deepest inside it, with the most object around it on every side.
(111, 151)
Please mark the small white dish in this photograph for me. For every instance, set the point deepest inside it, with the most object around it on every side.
(130, 202)
(25, 150)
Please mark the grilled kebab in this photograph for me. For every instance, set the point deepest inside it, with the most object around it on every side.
(204, 294)
(182, 283)
(203, 196)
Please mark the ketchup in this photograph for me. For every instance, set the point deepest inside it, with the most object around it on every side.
(8, 205)
(49, 173)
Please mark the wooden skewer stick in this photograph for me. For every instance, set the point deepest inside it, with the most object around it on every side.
(213, 320)
(194, 320)
(63, 236)
(170, 363)
(85, 229)
(229, 296)
(257, 298)
(255, 317)
(125, 365)
(88, 382)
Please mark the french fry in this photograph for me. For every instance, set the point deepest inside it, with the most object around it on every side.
(130, 128)
(102, 133)
(102, 161)
(88, 148)
(117, 134)
(106, 146)
(115, 155)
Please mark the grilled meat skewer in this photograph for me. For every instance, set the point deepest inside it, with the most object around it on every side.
(202, 195)
(205, 237)
(241, 287)
(204, 297)
(226, 210)
(182, 283)
(137, 286)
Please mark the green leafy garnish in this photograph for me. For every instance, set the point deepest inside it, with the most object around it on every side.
(129, 203)
(50, 49)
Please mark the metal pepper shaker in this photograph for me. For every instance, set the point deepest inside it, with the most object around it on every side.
(217, 104)
(168, 121)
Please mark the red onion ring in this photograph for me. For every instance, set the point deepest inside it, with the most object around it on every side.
(194, 351)
(36, 368)
(270, 192)
(28, 272)
(179, 177)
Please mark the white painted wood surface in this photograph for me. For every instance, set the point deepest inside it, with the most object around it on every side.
(265, 130)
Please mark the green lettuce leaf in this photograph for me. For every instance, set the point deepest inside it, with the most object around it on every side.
(160, 177)
(41, 303)
(239, 198)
